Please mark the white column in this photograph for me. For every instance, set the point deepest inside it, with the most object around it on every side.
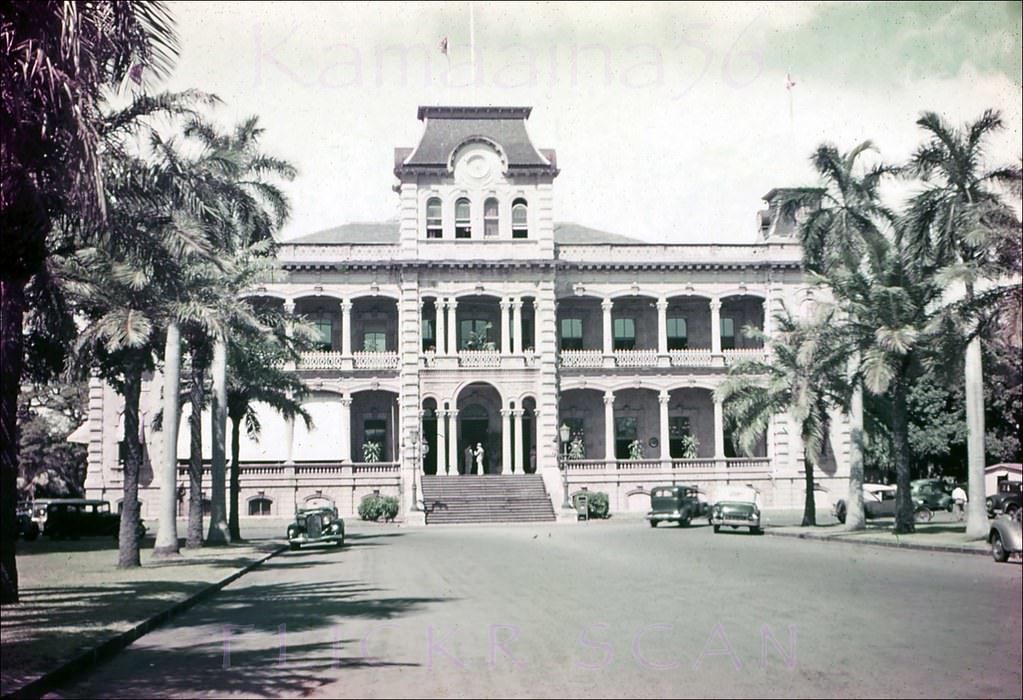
(536, 324)
(505, 304)
(442, 435)
(506, 442)
(606, 306)
(452, 307)
(289, 441)
(438, 331)
(453, 441)
(719, 430)
(517, 461)
(609, 426)
(346, 327)
(715, 326)
(346, 429)
(516, 305)
(768, 329)
(663, 398)
(662, 326)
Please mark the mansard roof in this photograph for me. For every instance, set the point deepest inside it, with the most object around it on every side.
(387, 232)
(447, 128)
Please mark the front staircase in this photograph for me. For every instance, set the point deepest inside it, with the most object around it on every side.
(493, 498)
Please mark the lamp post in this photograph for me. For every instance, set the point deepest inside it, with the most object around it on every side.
(565, 432)
(417, 459)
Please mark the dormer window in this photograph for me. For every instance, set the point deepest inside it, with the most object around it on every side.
(463, 220)
(491, 218)
(520, 219)
(434, 223)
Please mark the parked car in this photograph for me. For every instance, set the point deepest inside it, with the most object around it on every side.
(879, 502)
(82, 517)
(738, 508)
(1006, 537)
(932, 493)
(27, 527)
(316, 526)
(1008, 499)
(675, 504)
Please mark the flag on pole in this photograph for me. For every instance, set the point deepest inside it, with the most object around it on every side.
(444, 46)
(789, 82)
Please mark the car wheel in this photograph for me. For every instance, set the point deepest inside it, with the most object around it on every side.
(997, 548)
(684, 522)
(653, 523)
(1011, 509)
(717, 528)
(293, 546)
(755, 530)
(840, 513)
(32, 533)
(923, 514)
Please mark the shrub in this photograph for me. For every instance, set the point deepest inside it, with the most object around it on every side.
(374, 507)
(598, 505)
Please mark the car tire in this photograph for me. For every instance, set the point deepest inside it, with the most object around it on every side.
(32, 533)
(840, 512)
(1011, 509)
(293, 546)
(684, 522)
(923, 514)
(653, 523)
(755, 530)
(997, 548)
(717, 528)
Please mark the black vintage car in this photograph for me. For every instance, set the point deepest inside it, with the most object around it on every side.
(675, 504)
(1008, 499)
(27, 527)
(81, 517)
(316, 526)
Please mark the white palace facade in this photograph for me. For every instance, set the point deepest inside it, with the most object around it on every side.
(476, 319)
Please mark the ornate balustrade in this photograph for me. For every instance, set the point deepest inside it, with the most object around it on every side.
(636, 358)
(321, 360)
(693, 357)
(582, 358)
(375, 360)
(376, 468)
(479, 358)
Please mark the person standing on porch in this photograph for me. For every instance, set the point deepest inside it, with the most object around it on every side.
(468, 459)
(479, 458)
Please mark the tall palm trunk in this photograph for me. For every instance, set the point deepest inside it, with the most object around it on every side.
(976, 521)
(128, 548)
(235, 489)
(12, 311)
(905, 521)
(167, 535)
(218, 533)
(855, 518)
(809, 503)
(195, 455)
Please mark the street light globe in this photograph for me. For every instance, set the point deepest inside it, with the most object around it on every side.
(565, 431)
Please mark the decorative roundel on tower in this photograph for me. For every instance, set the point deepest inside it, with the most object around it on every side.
(477, 164)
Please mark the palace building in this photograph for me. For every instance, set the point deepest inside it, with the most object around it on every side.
(477, 336)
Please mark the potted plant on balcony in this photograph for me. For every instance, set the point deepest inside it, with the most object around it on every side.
(635, 450)
(577, 447)
(689, 445)
(371, 451)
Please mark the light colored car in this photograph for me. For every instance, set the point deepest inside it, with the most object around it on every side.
(1006, 537)
(737, 508)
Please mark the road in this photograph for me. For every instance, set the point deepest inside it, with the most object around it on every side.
(609, 608)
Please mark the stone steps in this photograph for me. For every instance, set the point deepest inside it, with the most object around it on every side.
(491, 498)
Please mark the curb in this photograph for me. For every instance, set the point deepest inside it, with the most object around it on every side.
(947, 548)
(94, 657)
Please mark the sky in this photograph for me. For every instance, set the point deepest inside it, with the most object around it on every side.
(670, 120)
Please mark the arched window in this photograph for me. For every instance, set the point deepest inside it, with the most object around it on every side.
(520, 219)
(434, 222)
(260, 506)
(463, 220)
(490, 218)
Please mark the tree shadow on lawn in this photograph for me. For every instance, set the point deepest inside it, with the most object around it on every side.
(45, 545)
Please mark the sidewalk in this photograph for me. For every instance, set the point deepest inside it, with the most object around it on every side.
(77, 607)
(935, 537)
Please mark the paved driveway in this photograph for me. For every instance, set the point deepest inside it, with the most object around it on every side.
(602, 609)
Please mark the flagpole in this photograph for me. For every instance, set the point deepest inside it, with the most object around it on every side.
(472, 49)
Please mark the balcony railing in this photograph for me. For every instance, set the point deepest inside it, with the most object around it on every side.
(693, 357)
(636, 358)
(376, 468)
(375, 360)
(479, 358)
(708, 465)
(334, 360)
(582, 358)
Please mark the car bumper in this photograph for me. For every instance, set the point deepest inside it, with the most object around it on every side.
(736, 521)
(322, 539)
(666, 517)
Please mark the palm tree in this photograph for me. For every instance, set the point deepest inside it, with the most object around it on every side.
(957, 225)
(805, 378)
(844, 229)
(258, 376)
(55, 60)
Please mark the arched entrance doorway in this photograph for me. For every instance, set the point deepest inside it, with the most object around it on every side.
(479, 430)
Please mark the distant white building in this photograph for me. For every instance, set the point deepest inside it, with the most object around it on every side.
(475, 318)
